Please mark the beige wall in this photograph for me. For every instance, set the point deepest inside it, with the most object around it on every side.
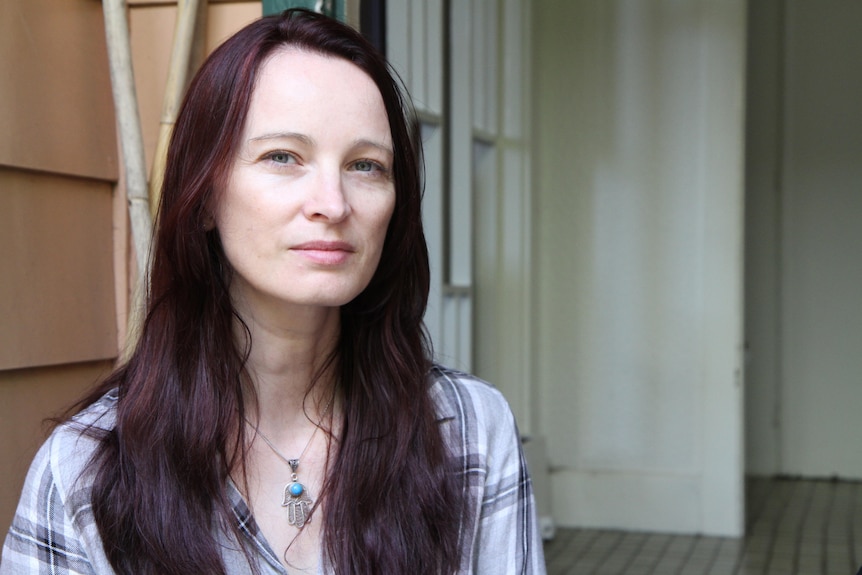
(58, 160)
(63, 244)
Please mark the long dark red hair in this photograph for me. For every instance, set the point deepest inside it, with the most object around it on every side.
(392, 503)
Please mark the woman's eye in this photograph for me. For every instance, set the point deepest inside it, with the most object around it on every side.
(368, 166)
(282, 158)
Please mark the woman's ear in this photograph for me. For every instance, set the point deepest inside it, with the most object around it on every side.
(209, 222)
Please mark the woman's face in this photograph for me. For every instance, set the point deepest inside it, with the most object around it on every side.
(307, 203)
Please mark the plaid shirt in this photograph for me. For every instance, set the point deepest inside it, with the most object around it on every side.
(54, 532)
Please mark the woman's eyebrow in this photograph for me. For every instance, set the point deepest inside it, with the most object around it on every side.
(361, 143)
(283, 136)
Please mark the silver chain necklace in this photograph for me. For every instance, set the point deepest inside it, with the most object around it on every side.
(295, 496)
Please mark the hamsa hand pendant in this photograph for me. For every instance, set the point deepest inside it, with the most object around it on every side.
(298, 504)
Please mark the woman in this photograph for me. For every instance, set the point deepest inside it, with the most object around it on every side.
(280, 412)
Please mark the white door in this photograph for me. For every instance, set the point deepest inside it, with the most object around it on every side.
(638, 164)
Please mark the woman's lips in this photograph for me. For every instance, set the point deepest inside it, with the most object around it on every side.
(325, 252)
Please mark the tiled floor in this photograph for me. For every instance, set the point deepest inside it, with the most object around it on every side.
(793, 528)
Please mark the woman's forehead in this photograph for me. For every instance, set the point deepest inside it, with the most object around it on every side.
(300, 90)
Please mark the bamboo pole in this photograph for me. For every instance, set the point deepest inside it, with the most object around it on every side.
(184, 35)
(199, 46)
(134, 160)
(131, 139)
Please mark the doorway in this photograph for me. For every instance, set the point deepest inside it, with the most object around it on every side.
(804, 237)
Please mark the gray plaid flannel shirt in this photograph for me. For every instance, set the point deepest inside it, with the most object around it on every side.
(53, 531)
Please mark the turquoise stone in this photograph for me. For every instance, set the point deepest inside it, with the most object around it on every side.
(295, 489)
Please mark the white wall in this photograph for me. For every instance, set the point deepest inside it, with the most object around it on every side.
(638, 122)
(805, 199)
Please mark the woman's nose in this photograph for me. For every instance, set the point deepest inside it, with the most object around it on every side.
(327, 198)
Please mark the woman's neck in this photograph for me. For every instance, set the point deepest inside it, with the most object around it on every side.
(290, 365)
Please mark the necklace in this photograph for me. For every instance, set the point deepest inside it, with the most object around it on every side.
(295, 496)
